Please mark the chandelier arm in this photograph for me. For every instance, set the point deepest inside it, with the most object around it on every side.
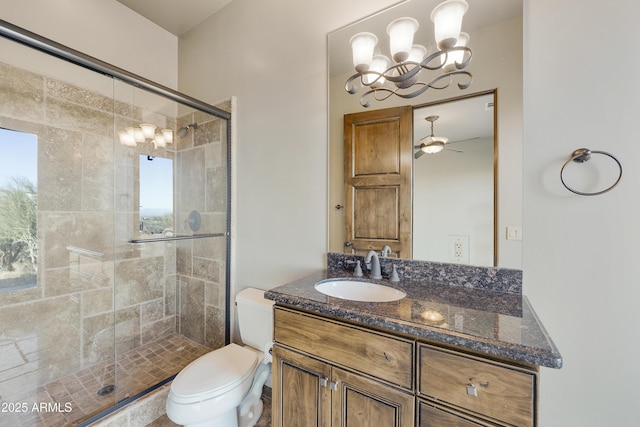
(350, 85)
(382, 93)
(399, 73)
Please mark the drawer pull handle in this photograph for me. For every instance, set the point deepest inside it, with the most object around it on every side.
(471, 390)
(334, 385)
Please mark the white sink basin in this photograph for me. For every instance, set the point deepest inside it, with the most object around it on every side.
(356, 290)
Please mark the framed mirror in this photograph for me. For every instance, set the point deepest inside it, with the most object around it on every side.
(495, 29)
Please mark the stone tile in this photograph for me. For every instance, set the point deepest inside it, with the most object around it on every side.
(214, 330)
(151, 311)
(10, 357)
(190, 181)
(55, 323)
(216, 190)
(59, 170)
(191, 317)
(97, 301)
(205, 269)
(22, 94)
(77, 116)
(97, 173)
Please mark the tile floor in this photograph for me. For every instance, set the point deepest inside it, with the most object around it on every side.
(75, 397)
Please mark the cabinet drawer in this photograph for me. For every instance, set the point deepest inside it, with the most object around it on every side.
(430, 415)
(503, 392)
(380, 355)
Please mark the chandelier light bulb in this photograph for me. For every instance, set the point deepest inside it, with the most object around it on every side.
(138, 136)
(148, 130)
(362, 45)
(379, 64)
(401, 33)
(126, 138)
(417, 53)
(159, 141)
(456, 56)
(447, 22)
(168, 135)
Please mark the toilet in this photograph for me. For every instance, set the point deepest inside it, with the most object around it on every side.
(223, 387)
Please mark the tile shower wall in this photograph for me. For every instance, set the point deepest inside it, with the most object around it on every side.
(201, 182)
(94, 289)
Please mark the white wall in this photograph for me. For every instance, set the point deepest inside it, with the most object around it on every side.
(103, 29)
(463, 183)
(581, 76)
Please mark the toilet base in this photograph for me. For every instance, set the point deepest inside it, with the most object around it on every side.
(230, 419)
(251, 414)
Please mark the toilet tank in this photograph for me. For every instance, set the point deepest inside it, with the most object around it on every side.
(255, 318)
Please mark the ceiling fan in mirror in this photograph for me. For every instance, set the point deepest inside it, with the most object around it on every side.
(402, 74)
(432, 144)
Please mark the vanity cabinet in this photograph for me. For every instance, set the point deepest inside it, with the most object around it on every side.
(327, 372)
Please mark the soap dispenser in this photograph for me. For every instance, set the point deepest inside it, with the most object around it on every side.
(394, 275)
(357, 271)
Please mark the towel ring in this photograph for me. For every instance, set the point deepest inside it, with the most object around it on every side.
(582, 155)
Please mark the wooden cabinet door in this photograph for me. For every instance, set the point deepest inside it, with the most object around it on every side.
(300, 394)
(378, 151)
(360, 402)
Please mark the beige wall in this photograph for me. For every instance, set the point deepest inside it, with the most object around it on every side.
(106, 30)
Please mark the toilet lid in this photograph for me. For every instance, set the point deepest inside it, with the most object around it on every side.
(215, 373)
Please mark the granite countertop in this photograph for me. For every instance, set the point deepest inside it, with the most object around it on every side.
(494, 323)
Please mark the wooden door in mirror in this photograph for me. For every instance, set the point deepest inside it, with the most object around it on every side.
(377, 169)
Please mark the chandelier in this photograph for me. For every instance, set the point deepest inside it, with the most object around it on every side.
(146, 132)
(402, 75)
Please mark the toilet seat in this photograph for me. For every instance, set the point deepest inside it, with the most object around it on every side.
(213, 374)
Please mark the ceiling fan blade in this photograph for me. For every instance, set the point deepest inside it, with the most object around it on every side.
(451, 149)
(463, 140)
(418, 154)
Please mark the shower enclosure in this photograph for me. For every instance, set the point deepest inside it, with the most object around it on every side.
(114, 232)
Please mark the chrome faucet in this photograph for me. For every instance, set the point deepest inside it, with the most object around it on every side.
(373, 264)
(385, 251)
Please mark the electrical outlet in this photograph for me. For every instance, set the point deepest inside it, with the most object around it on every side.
(458, 322)
(459, 249)
(514, 233)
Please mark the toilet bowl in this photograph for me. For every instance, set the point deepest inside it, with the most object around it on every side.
(223, 387)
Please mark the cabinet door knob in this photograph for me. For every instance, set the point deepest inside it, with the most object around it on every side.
(334, 385)
(324, 381)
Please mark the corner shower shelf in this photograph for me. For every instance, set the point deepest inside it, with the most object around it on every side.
(169, 239)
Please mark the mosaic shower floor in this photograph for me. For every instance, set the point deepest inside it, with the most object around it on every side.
(75, 397)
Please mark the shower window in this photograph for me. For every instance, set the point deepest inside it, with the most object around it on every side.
(18, 210)
(156, 195)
